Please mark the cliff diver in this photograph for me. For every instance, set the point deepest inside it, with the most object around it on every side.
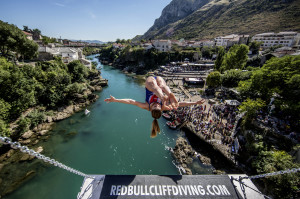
(158, 98)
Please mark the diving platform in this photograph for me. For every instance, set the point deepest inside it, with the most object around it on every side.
(168, 186)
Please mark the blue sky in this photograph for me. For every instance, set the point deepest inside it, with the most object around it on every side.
(104, 20)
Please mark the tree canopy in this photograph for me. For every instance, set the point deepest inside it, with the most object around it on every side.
(214, 79)
(13, 42)
(279, 78)
(235, 58)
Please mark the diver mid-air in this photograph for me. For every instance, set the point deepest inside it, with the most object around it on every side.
(158, 98)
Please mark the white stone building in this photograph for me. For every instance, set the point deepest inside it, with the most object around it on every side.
(270, 39)
(230, 40)
(162, 45)
(203, 43)
(222, 41)
(66, 53)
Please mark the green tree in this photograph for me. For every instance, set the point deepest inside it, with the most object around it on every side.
(4, 129)
(15, 88)
(36, 33)
(214, 79)
(4, 110)
(206, 52)
(250, 107)
(231, 78)
(13, 40)
(26, 29)
(280, 186)
(78, 71)
(235, 58)
(23, 125)
(279, 77)
(36, 117)
(254, 46)
(28, 50)
(46, 40)
(72, 89)
(220, 58)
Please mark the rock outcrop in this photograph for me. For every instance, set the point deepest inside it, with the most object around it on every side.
(184, 155)
(177, 10)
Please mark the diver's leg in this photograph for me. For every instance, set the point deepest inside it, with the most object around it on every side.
(162, 84)
(152, 86)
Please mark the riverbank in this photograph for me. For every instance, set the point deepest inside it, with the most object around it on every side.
(11, 176)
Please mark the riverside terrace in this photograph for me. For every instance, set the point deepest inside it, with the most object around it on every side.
(187, 68)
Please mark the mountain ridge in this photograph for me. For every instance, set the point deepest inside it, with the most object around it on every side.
(214, 18)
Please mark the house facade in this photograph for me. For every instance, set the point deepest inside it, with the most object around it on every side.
(230, 40)
(203, 43)
(270, 39)
(162, 45)
(223, 40)
(28, 35)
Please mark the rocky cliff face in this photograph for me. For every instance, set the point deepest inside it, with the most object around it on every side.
(176, 10)
(207, 19)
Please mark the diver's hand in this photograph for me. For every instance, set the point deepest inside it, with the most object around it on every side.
(166, 103)
(173, 101)
(111, 99)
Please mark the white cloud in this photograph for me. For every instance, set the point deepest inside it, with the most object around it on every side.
(59, 4)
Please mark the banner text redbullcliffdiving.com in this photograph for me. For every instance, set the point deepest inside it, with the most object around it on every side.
(169, 190)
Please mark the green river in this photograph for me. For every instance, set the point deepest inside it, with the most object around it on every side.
(112, 139)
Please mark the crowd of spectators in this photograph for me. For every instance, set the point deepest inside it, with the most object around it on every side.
(210, 121)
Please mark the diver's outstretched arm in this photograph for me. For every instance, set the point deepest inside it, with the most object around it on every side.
(181, 104)
(128, 101)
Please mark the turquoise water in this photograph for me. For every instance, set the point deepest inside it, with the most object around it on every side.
(112, 139)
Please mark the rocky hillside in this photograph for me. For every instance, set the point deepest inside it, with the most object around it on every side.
(206, 19)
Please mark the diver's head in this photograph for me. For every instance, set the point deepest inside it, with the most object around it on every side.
(155, 106)
(156, 114)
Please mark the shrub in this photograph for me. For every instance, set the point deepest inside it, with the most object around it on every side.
(24, 124)
(36, 118)
(73, 89)
(4, 109)
(4, 130)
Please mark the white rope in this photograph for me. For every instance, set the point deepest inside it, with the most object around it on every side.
(293, 170)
